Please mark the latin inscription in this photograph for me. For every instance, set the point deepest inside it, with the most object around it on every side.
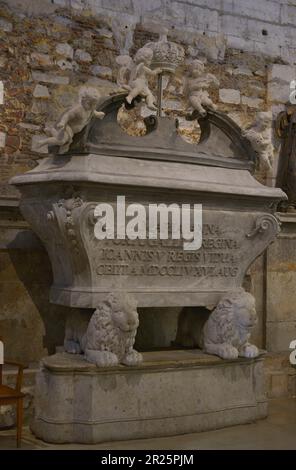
(218, 257)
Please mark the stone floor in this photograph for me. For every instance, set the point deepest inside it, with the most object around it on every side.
(278, 431)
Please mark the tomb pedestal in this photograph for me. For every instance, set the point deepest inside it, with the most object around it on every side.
(172, 392)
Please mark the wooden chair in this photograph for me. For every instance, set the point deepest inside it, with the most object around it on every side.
(11, 396)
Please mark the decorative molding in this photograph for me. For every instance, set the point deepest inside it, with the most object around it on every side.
(264, 223)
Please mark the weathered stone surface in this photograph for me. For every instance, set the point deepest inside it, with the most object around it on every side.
(251, 102)
(27, 125)
(37, 38)
(41, 59)
(41, 91)
(266, 25)
(64, 49)
(5, 25)
(278, 92)
(12, 143)
(25, 309)
(105, 33)
(40, 107)
(281, 73)
(279, 385)
(172, 104)
(166, 274)
(281, 296)
(227, 95)
(82, 56)
(243, 71)
(256, 88)
(1, 92)
(236, 26)
(225, 331)
(50, 78)
(35, 146)
(100, 71)
(65, 64)
(255, 9)
(2, 139)
(196, 88)
(260, 136)
(125, 5)
(105, 85)
(119, 402)
(288, 13)
(280, 374)
(73, 121)
(62, 3)
(201, 18)
(63, 33)
(106, 347)
(279, 335)
(213, 48)
(157, 328)
(78, 4)
(3, 61)
(260, 73)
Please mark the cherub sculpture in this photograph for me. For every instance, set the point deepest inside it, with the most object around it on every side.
(196, 85)
(260, 137)
(133, 76)
(73, 121)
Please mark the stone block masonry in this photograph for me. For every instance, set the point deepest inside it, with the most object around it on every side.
(49, 49)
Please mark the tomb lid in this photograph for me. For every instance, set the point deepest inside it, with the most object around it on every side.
(221, 142)
(165, 175)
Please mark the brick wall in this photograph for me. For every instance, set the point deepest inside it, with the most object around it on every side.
(49, 49)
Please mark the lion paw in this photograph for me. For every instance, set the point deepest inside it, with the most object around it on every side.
(101, 358)
(250, 350)
(132, 358)
(72, 347)
(228, 352)
(106, 359)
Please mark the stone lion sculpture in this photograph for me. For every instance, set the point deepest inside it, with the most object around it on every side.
(107, 338)
(224, 332)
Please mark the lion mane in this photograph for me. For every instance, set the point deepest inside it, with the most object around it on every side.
(107, 338)
(225, 331)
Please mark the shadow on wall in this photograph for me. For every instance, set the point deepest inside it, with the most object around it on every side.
(157, 328)
(30, 325)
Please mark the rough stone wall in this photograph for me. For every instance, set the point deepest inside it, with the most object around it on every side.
(49, 49)
(281, 296)
(30, 326)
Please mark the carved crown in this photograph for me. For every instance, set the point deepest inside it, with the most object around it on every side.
(166, 54)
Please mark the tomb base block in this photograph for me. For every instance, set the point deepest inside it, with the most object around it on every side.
(171, 392)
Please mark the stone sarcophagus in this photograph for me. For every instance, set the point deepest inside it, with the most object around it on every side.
(151, 221)
(105, 166)
(60, 195)
(91, 202)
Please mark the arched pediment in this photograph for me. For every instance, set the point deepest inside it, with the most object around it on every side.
(221, 144)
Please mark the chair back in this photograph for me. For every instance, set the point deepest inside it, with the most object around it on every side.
(1, 358)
